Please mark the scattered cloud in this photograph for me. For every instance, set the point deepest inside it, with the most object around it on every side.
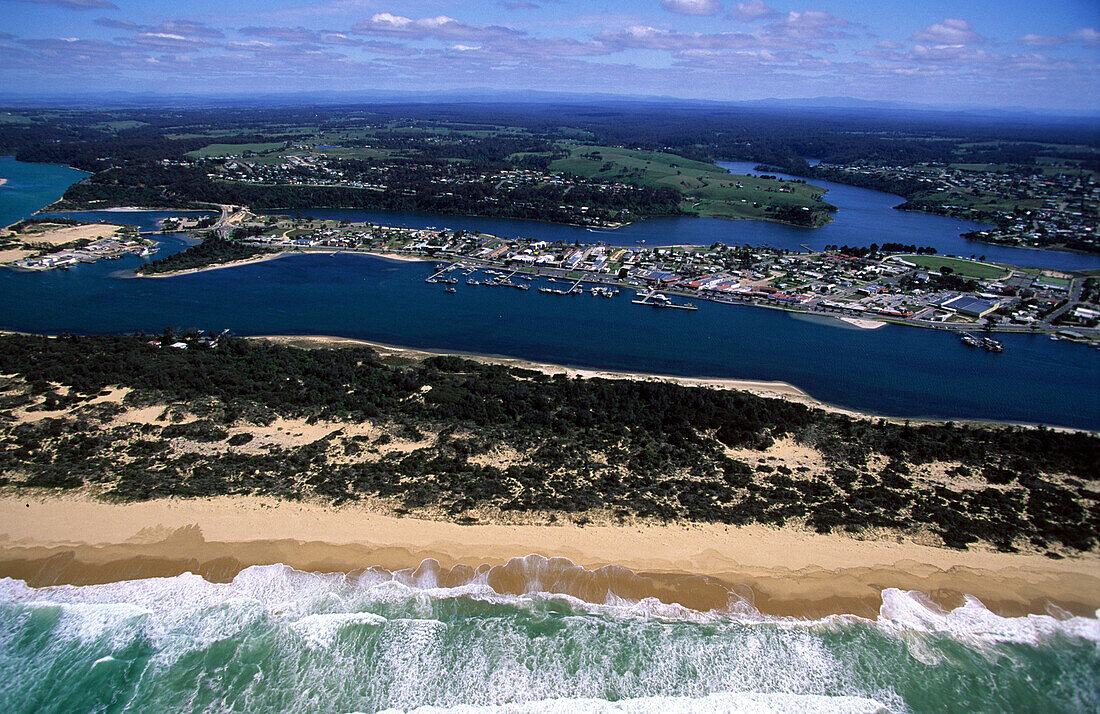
(752, 11)
(808, 25)
(800, 53)
(117, 24)
(283, 34)
(652, 38)
(1042, 40)
(949, 32)
(1087, 35)
(171, 41)
(189, 29)
(75, 4)
(692, 7)
(440, 27)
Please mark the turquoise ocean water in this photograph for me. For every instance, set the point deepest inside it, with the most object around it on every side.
(280, 640)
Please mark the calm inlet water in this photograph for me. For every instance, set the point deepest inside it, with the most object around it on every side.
(279, 640)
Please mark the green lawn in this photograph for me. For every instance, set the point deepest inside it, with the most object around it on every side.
(219, 150)
(708, 189)
(960, 266)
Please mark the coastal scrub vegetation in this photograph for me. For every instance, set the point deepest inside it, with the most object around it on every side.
(458, 438)
(213, 250)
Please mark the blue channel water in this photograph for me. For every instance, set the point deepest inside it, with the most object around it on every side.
(896, 371)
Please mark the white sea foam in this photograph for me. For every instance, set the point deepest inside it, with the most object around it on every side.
(321, 630)
(974, 623)
(91, 622)
(405, 642)
(720, 703)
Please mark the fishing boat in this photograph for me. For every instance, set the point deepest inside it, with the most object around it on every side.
(992, 345)
(969, 339)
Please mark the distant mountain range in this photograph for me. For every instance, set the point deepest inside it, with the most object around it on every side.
(535, 97)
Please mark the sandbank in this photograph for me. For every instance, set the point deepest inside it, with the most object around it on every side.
(75, 540)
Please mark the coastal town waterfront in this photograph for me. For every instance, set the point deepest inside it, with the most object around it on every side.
(892, 371)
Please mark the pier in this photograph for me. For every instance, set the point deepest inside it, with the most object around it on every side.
(657, 299)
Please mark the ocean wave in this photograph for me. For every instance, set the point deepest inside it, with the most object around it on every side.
(717, 703)
(517, 641)
(973, 622)
(524, 583)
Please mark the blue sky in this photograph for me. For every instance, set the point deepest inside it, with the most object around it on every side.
(1041, 54)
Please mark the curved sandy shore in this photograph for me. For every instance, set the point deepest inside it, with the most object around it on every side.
(284, 253)
(780, 390)
(219, 266)
(772, 389)
(779, 571)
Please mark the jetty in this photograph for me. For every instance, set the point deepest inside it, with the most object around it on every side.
(658, 299)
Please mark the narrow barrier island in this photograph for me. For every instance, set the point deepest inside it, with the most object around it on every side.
(138, 417)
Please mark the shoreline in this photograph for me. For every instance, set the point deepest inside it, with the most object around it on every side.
(404, 257)
(778, 571)
(235, 264)
(869, 322)
(760, 388)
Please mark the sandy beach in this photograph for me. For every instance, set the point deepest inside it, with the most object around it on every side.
(76, 540)
(284, 253)
(219, 266)
(757, 387)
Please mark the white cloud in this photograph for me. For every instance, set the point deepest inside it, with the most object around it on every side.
(692, 7)
(752, 11)
(652, 38)
(1042, 40)
(951, 31)
(1087, 35)
(440, 27)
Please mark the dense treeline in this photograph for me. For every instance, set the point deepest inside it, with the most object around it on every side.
(99, 154)
(628, 447)
(906, 188)
(211, 251)
(413, 188)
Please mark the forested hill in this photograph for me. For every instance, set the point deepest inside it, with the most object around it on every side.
(479, 439)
